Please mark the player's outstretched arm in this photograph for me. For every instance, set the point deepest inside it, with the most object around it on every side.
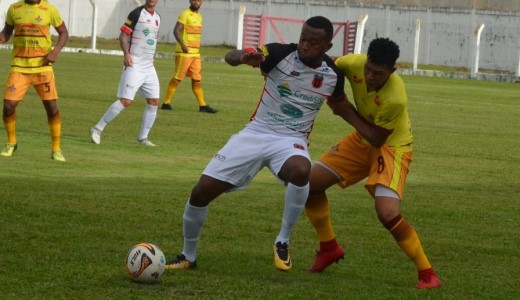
(247, 56)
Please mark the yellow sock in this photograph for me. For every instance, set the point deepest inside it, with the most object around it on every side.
(10, 128)
(408, 240)
(172, 87)
(196, 86)
(55, 129)
(318, 212)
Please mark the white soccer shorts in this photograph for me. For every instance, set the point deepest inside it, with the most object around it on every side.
(144, 81)
(246, 153)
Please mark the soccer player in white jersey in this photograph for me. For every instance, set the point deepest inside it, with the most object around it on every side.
(299, 79)
(138, 40)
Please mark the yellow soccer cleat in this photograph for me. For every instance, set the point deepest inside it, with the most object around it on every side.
(8, 150)
(57, 156)
(180, 263)
(282, 257)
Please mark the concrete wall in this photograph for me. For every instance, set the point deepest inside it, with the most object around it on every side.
(502, 5)
(447, 34)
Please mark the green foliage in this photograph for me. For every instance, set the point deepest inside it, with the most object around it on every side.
(66, 227)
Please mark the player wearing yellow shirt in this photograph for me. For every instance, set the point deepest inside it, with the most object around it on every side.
(187, 32)
(31, 64)
(382, 154)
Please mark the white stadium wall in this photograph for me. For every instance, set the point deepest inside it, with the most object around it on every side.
(447, 35)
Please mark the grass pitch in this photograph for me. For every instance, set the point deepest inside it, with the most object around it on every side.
(66, 227)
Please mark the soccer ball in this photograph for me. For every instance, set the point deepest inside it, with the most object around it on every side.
(145, 263)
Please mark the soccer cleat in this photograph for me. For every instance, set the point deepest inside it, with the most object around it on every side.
(428, 279)
(207, 109)
(282, 257)
(180, 263)
(165, 106)
(9, 149)
(325, 259)
(57, 156)
(146, 142)
(95, 136)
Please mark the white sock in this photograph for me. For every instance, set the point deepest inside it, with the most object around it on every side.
(295, 198)
(194, 217)
(149, 115)
(112, 112)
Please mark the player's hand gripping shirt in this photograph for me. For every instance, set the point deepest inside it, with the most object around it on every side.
(143, 28)
(386, 107)
(191, 33)
(32, 39)
(293, 92)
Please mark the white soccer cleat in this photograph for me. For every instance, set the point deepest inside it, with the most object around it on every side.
(146, 142)
(95, 136)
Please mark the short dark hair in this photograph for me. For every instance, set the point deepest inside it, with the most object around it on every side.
(383, 51)
(320, 22)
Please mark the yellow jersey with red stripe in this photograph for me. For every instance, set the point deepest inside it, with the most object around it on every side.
(386, 107)
(32, 39)
(192, 21)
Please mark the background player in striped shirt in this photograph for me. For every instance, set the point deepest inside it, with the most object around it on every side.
(138, 40)
(187, 32)
(31, 64)
(384, 159)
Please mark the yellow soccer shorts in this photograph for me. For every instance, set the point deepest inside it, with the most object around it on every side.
(190, 66)
(18, 84)
(354, 160)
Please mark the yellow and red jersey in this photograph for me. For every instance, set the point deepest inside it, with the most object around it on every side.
(191, 34)
(386, 107)
(31, 35)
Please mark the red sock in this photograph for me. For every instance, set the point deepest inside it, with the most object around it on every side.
(328, 246)
(427, 273)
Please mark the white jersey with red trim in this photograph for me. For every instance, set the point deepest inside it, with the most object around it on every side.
(294, 92)
(143, 28)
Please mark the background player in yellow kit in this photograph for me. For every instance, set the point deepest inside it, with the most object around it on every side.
(187, 32)
(382, 155)
(31, 64)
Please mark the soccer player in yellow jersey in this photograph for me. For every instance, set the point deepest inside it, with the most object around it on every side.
(187, 32)
(382, 155)
(31, 64)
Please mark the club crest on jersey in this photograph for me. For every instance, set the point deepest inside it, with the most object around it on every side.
(358, 80)
(317, 81)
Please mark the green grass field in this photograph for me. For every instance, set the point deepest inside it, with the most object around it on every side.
(66, 227)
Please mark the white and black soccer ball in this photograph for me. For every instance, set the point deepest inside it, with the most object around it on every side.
(145, 263)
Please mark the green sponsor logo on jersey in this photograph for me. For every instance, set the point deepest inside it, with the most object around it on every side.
(284, 90)
(291, 111)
